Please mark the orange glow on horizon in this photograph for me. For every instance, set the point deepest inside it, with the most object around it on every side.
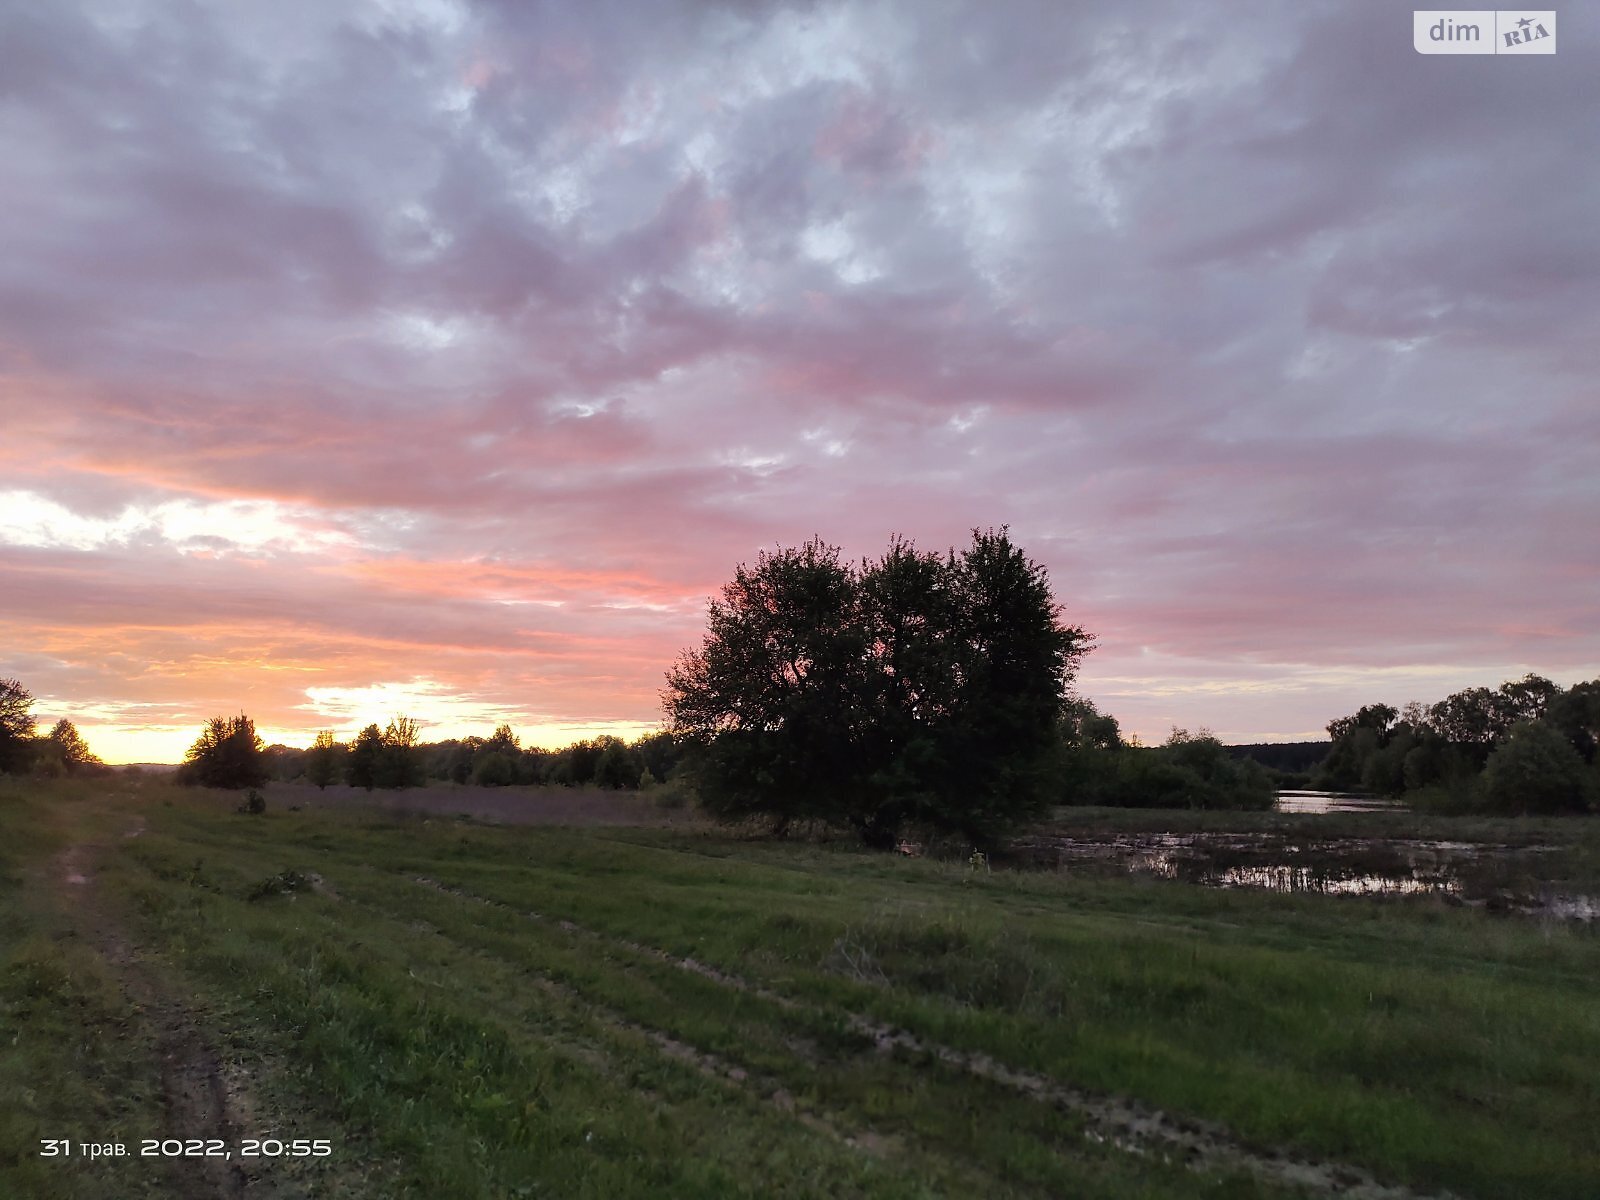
(119, 745)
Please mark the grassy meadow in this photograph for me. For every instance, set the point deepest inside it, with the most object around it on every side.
(468, 1010)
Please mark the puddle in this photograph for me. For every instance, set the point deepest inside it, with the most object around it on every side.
(1498, 878)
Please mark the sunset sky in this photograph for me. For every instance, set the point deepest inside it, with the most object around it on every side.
(443, 358)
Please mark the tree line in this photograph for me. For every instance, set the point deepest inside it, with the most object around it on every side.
(230, 754)
(1096, 765)
(920, 691)
(1528, 746)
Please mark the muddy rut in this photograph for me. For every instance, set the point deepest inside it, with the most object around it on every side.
(197, 1098)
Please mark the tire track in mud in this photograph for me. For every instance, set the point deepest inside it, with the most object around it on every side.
(1127, 1124)
(198, 1098)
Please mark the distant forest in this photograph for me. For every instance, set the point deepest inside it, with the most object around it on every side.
(1529, 746)
(1289, 757)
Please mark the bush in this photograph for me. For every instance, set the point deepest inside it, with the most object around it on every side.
(674, 794)
(494, 769)
(1189, 771)
(1458, 796)
(48, 766)
(1536, 770)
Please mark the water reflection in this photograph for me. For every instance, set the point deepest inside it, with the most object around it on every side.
(1328, 880)
(1304, 801)
(1494, 877)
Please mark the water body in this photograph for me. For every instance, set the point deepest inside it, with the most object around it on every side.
(1496, 878)
(1299, 801)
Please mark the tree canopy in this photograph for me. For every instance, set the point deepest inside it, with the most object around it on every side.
(16, 725)
(67, 745)
(227, 754)
(399, 764)
(1527, 746)
(918, 688)
(364, 769)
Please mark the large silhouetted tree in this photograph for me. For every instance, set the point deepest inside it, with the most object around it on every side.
(227, 754)
(772, 699)
(1473, 719)
(68, 744)
(1014, 661)
(919, 688)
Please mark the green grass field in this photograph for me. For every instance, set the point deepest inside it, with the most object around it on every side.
(474, 1011)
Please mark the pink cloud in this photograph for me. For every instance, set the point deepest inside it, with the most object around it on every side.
(523, 374)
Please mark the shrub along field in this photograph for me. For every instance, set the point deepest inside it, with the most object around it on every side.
(476, 1011)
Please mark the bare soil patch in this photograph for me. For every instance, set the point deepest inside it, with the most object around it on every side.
(198, 1098)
